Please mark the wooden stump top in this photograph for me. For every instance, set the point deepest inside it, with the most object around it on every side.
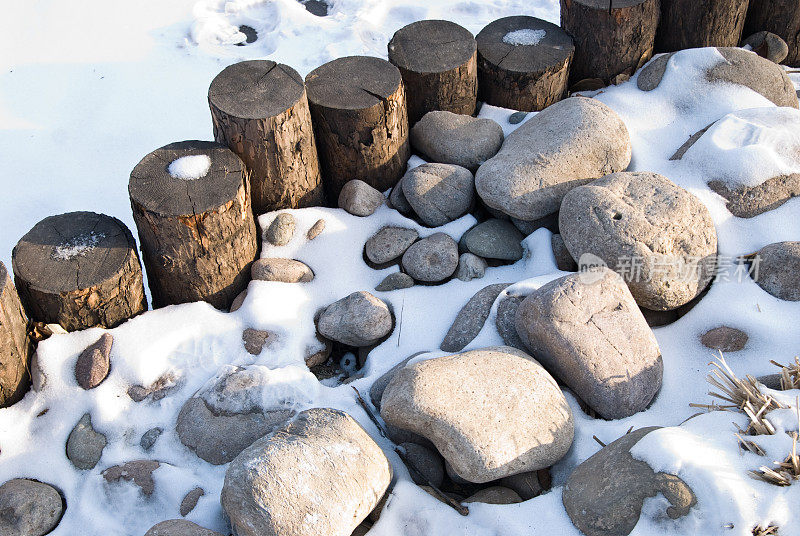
(352, 83)
(553, 49)
(256, 89)
(153, 187)
(608, 4)
(72, 251)
(431, 46)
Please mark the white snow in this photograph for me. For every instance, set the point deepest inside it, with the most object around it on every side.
(190, 168)
(524, 37)
(123, 81)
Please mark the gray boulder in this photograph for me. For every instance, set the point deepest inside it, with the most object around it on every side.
(456, 139)
(778, 270)
(398, 201)
(359, 319)
(470, 267)
(226, 415)
(455, 401)
(768, 45)
(604, 495)
(85, 445)
(29, 508)
(280, 230)
(592, 336)
(725, 339)
(567, 144)
(389, 243)
(471, 317)
(319, 474)
(94, 362)
(494, 239)
(431, 259)
(281, 270)
(180, 527)
(359, 198)
(395, 281)
(427, 463)
(658, 236)
(737, 66)
(438, 193)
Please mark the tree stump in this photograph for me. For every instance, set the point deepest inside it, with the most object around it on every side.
(16, 348)
(198, 235)
(438, 62)
(260, 111)
(523, 63)
(79, 270)
(781, 17)
(700, 23)
(358, 106)
(613, 38)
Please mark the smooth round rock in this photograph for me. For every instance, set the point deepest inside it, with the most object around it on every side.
(85, 445)
(427, 462)
(495, 239)
(280, 230)
(316, 229)
(454, 401)
(470, 267)
(359, 319)
(768, 45)
(389, 243)
(29, 508)
(778, 270)
(431, 259)
(457, 139)
(395, 281)
(281, 270)
(658, 236)
(724, 339)
(438, 193)
(179, 527)
(359, 198)
(94, 363)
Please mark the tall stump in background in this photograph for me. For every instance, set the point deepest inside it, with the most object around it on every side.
(80, 270)
(196, 229)
(16, 348)
(438, 62)
(358, 106)
(612, 38)
(260, 111)
(523, 63)
(781, 17)
(700, 23)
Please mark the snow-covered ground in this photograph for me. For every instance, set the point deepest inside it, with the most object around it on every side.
(88, 89)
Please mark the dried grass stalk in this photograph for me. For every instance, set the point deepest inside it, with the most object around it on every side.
(790, 374)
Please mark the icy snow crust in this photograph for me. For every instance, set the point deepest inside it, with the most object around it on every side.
(196, 343)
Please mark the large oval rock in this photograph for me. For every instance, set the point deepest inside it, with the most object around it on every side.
(491, 413)
(359, 319)
(658, 236)
(281, 270)
(227, 414)
(567, 144)
(749, 157)
(604, 495)
(438, 193)
(179, 527)
(29, 508)
(592, 336)
(319, 474)
(494, 239)
(778, 270)
(736, 66)
(456, 139)
(432, 259)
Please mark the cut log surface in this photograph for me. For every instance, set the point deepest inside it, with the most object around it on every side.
(438, 62)
(526, 77)
(358, 106)
(700, 23)
(260, 111)
(16, 348)
(79, 270)
(612, 38)
(781, 17)
(198, 237)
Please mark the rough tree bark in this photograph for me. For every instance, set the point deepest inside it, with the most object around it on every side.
(79, 270)
(528, 77)
(700, 23)
(438, 62)
(781, 17)
(198, 237)
(260, 111)
(613, 38)
(16, 348)
(358, 106)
